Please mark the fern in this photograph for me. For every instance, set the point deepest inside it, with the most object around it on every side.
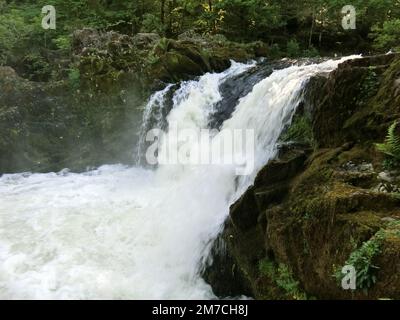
(391, 147)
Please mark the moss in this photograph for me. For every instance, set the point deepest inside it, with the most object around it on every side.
(379, 104)
(300, 131)
(357, 154)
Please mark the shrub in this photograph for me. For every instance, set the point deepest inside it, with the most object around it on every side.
(152, 23)
(311, 52)
(275, 51)
(63, 42)
(388, 36)
(293, 48)
(74, 78)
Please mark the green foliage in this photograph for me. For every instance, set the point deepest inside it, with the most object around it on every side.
(391, 163)
(300, 131)
(63, 42)
(387, 36)
(152, 23)
(36, 67)
(13, 32)
(306, 23)
(391, 147)
(248, 18)
(275, 51)
(362, 260)
(293, 49)
(283, 278)
(311, 52)
(74, 78)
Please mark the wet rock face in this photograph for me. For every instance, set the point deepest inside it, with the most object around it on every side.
(234, 89)
(312, 211)
(28, 123)
(244, 235)
(50, 126)
(352, 103)
(238, 87)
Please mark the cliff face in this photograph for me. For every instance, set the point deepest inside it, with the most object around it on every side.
(326, 201)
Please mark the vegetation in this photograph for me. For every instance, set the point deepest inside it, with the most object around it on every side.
(362, 260)
(391, 147)
(387, 36)
(283, 278)
(300, 131)
(290, 28)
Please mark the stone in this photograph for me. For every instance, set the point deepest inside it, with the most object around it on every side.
(145, 40)
(385, 176)
(388, 219)
(244, 213)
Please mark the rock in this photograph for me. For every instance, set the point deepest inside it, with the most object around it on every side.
(191, 35)
(7, 73)
(180, 67)
(85, 38)
(397, 87)
(343, 112)
(186, 58)
(386, 177)
(282, 169)
(271, 195)
(366, 167)
(145, 40)
(388, 219)
(312, 211)
(244, 213)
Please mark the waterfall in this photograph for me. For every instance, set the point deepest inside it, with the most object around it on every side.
(130, 233)
(153, 117)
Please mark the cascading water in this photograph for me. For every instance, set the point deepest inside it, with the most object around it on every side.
(153, 117)
(129, 233)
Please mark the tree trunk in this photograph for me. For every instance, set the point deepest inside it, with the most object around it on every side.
(312, 29)
(162, 12)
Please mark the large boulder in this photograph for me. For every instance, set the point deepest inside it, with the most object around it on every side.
(352, 104)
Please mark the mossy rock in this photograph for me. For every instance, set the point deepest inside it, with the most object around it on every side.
(356, 102)
(180, 67)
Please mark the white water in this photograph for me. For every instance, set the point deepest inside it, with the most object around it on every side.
(154, 109)
(129, 233)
